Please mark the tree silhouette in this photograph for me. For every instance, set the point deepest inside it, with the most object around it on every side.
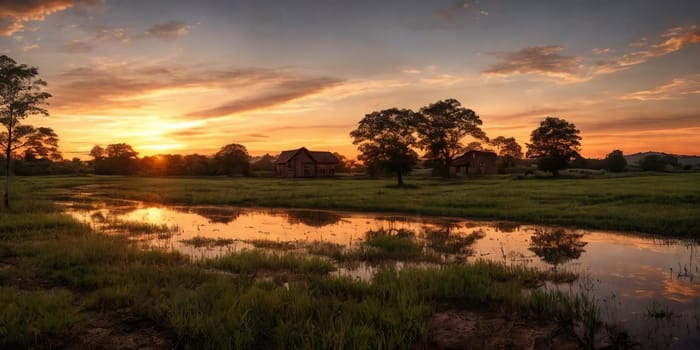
(615, 161)
(115, 159)
(474, 146)
(554, 144)
(21, 97)
(557, 246)
(508, 149)
(385, 140)
(266, 163)
(233, 159)
(97, 152)
(656, 162)
(120, 151)
(441, 127)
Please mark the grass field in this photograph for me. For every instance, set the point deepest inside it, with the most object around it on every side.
(667, 204)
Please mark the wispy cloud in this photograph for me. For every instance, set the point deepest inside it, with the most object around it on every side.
(642, 122)
(602, 51)
(459, 9)
(544, 60)
(168, 31)
(672, 40)
(676, 89)
(15, 13)
(77, 46)
(281, 93)
(549, 62)
(30, 47)
(113, 87)
(442, 79)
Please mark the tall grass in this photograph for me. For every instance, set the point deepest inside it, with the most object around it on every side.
(35, 319)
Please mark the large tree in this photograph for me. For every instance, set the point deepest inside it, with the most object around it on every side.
(21, 96)
(615, 161)
(554, 143)
(233, 159)
(386, 139)
(441, 128)
(507, 149)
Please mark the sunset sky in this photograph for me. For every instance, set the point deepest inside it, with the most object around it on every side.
(191, 76)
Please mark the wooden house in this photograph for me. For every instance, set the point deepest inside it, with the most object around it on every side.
(304, 163)
(474, 163)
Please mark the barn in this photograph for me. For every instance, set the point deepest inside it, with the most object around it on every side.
(304, 163)
(474, 163)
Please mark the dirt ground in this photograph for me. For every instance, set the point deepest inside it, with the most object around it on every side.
(458, 329)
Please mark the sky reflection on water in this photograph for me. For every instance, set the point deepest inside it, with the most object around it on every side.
(629, 272)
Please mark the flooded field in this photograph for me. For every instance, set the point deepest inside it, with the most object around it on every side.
(648, 285)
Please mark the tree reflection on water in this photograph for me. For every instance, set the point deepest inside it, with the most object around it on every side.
(558, 246)
(444, 241)
(312, 218)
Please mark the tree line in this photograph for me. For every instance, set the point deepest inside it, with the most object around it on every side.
(388, 139)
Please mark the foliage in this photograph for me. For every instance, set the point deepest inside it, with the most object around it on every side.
(654, 162)
(265, 163)
(615, 161)
(97, 152)
(554, 143)
(115, 159)
(233, 159)
(508, 150)
(441, 127)
(21, 96)
(385, 140)
(507, 147)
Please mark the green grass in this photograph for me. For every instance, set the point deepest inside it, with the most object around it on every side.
(30, 319)
(256, 261)
(655, 203)
(57, 277)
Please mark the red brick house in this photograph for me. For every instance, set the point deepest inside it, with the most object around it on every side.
(474, 163)
(304, 163)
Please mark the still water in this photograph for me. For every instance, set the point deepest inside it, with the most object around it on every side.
(632, 276)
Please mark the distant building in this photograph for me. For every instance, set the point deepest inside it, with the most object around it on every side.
(304, 163)
(474, 163)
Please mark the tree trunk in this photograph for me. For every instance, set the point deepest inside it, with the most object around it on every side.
(8, 153)
(399, 178)
(6, 197)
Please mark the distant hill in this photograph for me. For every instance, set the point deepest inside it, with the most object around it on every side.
(693, 161)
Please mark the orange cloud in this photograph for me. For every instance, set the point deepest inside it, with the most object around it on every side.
(169, 30)
(284, 92)
(676, 89)
(15, 13)
(544, 60)
(672, 40)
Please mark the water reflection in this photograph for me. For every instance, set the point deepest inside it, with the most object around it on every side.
(215, 215)
(629, 273)
(557, 246)
(313, 218)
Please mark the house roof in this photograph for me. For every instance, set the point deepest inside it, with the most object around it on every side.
(464, 159)
(316, 156)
